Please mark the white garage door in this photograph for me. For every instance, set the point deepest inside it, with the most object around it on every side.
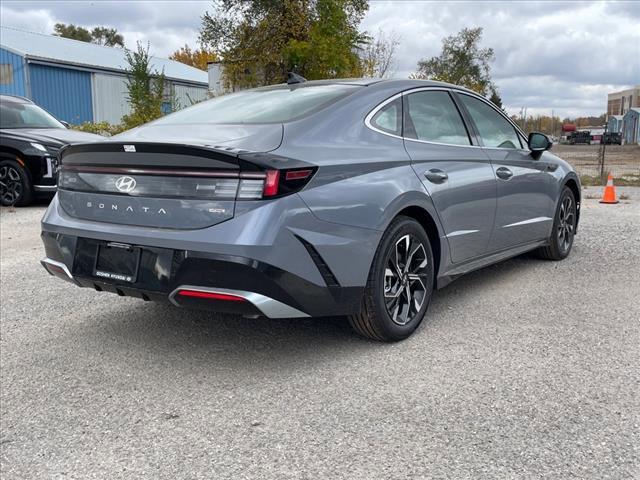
(109, 98)
(186, 95)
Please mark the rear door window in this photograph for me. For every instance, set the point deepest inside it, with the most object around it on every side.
(432, 116)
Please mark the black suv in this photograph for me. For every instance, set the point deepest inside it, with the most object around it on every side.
(29, 142)
(583, 136)
(613, 138)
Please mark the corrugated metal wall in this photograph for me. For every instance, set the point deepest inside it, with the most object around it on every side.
(188, 95)
(614, 125)
(79, 96)
(631, 127)
(110, 98)
(65, 93)
(216, 83)
(15, 63)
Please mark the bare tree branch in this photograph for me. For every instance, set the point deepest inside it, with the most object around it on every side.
(378, 57)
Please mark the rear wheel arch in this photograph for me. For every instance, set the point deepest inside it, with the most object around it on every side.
(424, 218)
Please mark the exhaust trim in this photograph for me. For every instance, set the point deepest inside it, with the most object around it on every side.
(47, 263)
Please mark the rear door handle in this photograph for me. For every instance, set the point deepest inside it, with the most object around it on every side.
(504, 173)
(436, 175)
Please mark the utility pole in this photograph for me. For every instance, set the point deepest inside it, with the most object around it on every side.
(601, 152)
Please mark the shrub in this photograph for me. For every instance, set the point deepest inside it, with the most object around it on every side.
(100, 128)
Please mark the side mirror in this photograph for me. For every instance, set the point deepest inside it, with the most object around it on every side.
(538, 142)
(66, 124)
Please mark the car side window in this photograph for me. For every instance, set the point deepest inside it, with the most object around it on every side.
(432, 116)
(389, 118)
(29, 117)
(493, 128)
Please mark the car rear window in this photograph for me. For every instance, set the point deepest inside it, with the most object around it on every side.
(269, 105)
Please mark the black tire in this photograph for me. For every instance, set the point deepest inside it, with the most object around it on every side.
(384, 315)
(15, 185)
(564, 228)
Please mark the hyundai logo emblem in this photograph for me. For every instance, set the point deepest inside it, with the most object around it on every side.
(126, 184)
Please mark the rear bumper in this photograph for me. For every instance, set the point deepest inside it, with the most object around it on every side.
(264, 290)
(275, 249)
(194, 296)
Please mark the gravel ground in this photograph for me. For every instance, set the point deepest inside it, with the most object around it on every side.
(527, 369)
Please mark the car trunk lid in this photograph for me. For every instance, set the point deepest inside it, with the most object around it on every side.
(163, 185)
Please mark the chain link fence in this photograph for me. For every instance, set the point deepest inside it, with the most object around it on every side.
(621, 161)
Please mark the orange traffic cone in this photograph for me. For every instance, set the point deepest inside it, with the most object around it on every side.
(609, 194)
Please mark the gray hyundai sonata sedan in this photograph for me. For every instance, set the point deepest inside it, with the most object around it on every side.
(343, 197)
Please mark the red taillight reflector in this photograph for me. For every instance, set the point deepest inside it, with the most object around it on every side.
(210, 295)
(271, 183)
(297, 174)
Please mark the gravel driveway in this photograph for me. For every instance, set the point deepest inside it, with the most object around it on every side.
(527, 369)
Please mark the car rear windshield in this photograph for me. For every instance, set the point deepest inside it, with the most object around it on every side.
(271, 105)
(25, 115)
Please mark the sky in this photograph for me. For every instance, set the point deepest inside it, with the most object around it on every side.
(549, 56)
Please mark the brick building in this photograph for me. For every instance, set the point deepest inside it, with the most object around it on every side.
(619, 103)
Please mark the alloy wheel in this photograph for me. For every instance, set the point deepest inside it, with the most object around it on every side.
(405, 279)
(10, 185)
(566, 223)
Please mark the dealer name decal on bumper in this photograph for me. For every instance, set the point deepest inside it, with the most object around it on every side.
(114, 276)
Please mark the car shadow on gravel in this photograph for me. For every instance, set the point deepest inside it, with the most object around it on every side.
(160, 330)
(487, 278)
(159, 333)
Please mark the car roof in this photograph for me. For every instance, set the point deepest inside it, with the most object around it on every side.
(400, 83)
(14, 99)
(408, 83)
(342, 81)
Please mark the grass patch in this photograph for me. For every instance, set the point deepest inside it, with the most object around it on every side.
(629, 180)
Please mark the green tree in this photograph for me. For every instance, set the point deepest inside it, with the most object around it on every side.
(261, 40)
(108, 37)
(145, 88)
(99, 35)
(495, 98)
(462, 62)
(72, 31)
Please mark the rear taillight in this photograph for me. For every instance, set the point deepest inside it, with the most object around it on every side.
(250, 189)
(271, 182)
(196, 184)
(275, 183)
(293, 175)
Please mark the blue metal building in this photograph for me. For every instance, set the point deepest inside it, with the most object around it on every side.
(82, 82)
(614, 124)
(631, 126)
